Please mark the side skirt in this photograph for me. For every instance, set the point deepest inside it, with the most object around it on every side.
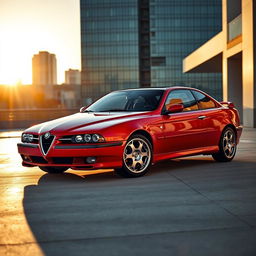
(190, 152)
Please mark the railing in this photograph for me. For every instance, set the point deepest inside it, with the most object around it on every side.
(22, 118)
(235, 27)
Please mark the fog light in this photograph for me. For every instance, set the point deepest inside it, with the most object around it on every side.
(26, 158)
(90, 159)
(78, 138)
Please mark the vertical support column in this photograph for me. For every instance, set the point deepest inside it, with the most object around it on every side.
(224, 55)
(224, 77)
(144, 43)
(249, 61)
(254, 60)
(235, 87)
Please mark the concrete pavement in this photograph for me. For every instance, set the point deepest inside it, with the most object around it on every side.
(191, 206)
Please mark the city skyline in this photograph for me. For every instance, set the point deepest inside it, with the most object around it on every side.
(30, 26)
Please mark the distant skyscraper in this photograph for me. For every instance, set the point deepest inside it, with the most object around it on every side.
(141, 43)
(44, 68)
(72, 76)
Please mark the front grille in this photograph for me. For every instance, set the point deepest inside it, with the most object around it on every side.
(38, 159)
(46, 143)
(62, 160)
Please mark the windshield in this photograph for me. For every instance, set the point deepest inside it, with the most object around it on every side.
(132, 100)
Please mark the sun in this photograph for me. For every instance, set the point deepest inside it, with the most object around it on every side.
(10, 78)
(14, 67)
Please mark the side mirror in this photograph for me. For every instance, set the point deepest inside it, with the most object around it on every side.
(82, 109)
(175, 108)
(227, 104)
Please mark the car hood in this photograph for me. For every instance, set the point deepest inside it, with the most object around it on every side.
(79, 121)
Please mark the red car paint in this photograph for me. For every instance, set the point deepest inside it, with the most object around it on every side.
(173, 135)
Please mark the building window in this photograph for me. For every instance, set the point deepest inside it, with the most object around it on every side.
(152, 33)
(158, 61)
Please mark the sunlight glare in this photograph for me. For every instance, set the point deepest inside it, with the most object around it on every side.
(25, 31)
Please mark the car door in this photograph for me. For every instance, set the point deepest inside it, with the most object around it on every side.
(182, 131)
(211, 118)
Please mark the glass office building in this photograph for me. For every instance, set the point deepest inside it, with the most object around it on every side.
(141, 43)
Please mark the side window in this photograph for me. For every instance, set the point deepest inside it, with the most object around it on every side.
(203, 101)
(184, 97)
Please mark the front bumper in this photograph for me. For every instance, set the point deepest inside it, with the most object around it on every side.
(108, 155)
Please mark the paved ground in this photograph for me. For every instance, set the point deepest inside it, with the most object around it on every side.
(192, 206)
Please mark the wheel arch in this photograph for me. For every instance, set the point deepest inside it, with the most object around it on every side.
(232, 127)
(144, 133)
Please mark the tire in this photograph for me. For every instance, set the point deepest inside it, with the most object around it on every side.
(51, 169)
(227, 146)
(137, 157)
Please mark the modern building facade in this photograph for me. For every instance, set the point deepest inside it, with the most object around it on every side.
(44, 72)
(73, 76)
(232, 52)
(141, 43)
(44, 68)
(68, 95)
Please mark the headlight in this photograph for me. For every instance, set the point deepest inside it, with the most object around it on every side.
(87, 138)
(78, 138)
(24, 137)
(27, 137)
(30, 137)
(95, 137)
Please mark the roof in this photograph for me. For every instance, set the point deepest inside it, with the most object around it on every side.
(158, 88)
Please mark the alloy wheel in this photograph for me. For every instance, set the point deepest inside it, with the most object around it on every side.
(229, 143)
(137, 155)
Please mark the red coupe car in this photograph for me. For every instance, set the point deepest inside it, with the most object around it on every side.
(129, 130)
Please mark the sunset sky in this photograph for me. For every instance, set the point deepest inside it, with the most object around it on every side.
(30, 26)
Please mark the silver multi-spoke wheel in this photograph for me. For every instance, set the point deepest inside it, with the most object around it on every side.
(229, 143)
(137, 155)
(227, 146)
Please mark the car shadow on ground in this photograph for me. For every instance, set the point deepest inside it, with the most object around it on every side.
(72, 176)
(73, 212)
(183, 163)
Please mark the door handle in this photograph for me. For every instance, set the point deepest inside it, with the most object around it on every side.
(201, 117)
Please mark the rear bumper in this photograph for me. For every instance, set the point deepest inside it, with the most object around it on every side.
(239, 130)
(108, 155)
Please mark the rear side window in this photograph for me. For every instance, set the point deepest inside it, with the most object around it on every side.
(184, 97)
(204, 102)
